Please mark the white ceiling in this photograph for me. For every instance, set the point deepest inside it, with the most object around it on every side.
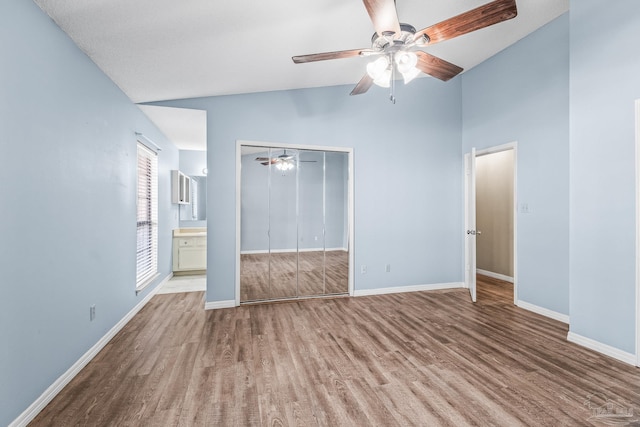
(165, 49)
(186, 128)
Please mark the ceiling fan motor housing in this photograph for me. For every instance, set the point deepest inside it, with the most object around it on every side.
(389, 39)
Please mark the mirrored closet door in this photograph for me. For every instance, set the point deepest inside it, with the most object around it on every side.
(294, 224)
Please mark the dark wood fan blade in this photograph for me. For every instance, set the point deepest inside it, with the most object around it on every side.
(436, 67)
(266, 160)
(383, 15)
(475, 19)
(301, 59)
(363, 85)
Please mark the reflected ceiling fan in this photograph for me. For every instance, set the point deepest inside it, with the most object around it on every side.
(397, 45)
(283, 162)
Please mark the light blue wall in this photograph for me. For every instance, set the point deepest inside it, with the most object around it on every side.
(605, 82)
(522, 95)
(192, 162)
(67, 146)
(257, 214)
(408, 173)
(68, 213)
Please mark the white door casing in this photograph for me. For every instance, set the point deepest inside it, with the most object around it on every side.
(350, 201)
(470, 217)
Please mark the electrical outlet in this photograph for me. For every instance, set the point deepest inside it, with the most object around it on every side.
(363, 269)
(92, 313)
(388, 268)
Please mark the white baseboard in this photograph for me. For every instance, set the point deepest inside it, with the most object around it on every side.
(214, 305)
(605, 349)
(495, 275)
(286, 251)
(413, 288)
(544, 311)
(34, 409)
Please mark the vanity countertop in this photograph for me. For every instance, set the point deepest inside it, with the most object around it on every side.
(189, 232)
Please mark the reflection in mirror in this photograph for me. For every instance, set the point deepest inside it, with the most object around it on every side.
(337, 222)
(254, 225)
(311, 237)
(283, 260)
(197, 209)
(293, 223)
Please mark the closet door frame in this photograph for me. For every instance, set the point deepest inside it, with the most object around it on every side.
(350, 204)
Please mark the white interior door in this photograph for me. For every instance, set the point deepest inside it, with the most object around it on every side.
(470, 222)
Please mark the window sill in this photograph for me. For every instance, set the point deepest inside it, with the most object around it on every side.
(147, 283)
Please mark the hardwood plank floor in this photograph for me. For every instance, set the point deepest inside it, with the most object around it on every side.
(421, 358)
(273, 276)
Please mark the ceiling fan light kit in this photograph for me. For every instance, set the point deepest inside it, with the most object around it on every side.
(380, 71)
(284, 162)
(397, 45)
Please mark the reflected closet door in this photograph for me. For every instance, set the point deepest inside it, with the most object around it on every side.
(311, 240)
(337, 222)
(254, 231)
(283, 240)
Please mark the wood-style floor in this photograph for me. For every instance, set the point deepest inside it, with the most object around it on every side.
(421, 358)
(292, 274)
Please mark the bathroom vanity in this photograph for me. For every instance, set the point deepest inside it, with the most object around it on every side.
(189, 251)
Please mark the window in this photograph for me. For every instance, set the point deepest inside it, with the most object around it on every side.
(147, 217)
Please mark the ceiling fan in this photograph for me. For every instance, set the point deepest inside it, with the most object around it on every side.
(282, 162)
(397, 45)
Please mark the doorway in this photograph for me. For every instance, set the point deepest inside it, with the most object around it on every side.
(294, 214)
(491, 218)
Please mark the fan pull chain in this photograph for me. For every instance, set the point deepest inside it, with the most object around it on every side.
(392, 97)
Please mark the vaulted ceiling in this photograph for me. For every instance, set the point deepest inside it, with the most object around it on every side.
(157, 50)
(165, 49)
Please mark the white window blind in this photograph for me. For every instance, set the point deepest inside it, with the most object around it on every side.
(147, 217)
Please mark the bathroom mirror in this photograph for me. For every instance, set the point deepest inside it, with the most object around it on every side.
(197, 209)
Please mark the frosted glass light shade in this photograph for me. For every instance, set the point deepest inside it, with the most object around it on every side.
(406, 61)
(410, 75)
(384, 80)
(377, 68)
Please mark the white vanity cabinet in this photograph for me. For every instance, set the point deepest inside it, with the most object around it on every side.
(189, 250)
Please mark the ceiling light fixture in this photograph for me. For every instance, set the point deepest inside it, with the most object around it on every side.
(382, 70)
(406, 63)
(284, 165)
